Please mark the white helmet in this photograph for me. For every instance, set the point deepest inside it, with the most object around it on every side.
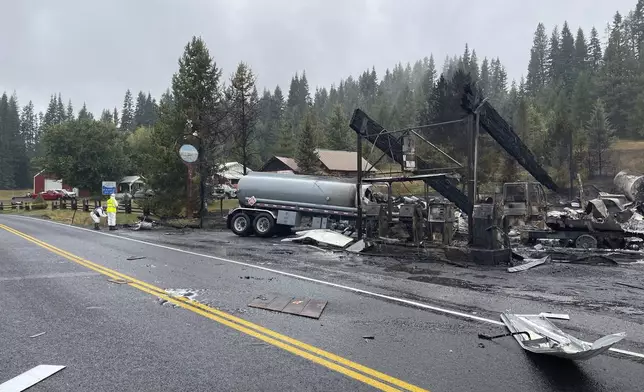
(112, 195)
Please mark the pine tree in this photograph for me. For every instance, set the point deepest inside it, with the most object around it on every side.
(51, 115)
(151, 111)
(554, 56)
(465, 60)
(638, 27)
(70, 111)
(21, 166)
(566, 59)
(600, 134)
(243, 101)
(293, 92)
(115, 117)
(127, 113)
(485, 84)
(474, 67)
(140, 110)
(538, 67)
(307, 156)
(84, 114)
(595, 49)
(582, 99)
(617, 80)
(61, 112)
(337, 130)
(6, 153)
(305, 95)
(106, 116)
(29, 129)
(581, 58)
(285, 138)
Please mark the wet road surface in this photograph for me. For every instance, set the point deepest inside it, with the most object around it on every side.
(112, 336)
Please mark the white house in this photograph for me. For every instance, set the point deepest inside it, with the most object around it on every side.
(231, 172)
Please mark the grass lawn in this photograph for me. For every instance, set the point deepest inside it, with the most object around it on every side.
(228, 204)
(627, 154)
(6, 195)
(65, 216)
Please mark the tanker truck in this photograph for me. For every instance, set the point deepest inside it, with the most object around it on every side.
(273, 203)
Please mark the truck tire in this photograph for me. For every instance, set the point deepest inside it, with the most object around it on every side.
(240, 224)
(264, 225)
(586, 241)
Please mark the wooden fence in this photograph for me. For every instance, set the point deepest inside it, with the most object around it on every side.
(86, 205)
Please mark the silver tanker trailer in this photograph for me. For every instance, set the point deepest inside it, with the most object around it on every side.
(274, 202)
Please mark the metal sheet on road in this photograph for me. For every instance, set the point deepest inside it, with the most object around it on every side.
(296, 305)
(314, 309)
(262, 301)
(279, 303)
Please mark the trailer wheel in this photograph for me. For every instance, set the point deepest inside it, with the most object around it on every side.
(264, 225)
(240, 224)
(586, 241)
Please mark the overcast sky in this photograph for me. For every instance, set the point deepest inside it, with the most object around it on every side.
(93, 51)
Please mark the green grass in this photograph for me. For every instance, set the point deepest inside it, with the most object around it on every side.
(228, 204)
(6, 195)
(627, 154)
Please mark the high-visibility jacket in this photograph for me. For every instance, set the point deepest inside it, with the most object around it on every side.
(111, 205)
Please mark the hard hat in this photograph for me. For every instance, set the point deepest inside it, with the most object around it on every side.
(112, 195)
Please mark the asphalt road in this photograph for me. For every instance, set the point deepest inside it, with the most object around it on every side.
(112, 336)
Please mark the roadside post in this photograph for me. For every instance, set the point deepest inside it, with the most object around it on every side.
(189, 155)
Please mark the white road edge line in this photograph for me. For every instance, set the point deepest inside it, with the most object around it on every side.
(30, 378)
(301, 277)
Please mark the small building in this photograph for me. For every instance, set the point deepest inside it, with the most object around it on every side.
(342, 163)
(130, 184)
(280, 165)
(332, 163)
(231, 173)
(44, 181)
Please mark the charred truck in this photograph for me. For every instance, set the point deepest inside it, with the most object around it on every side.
(274, 203)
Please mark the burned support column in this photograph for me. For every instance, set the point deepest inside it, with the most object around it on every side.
(502, 132)
(471, 185)
(390, 145)
(359, 179)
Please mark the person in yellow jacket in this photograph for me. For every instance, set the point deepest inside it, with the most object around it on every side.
(112, 206)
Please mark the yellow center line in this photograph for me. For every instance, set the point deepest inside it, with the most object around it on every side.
(342, 365)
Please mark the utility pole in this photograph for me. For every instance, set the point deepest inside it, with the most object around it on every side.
(571, 161)
(202, 185)
(363, 131)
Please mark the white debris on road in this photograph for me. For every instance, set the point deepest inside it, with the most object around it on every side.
(321, 236)
(188, 293)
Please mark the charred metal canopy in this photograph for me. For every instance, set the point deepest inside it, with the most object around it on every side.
(391, 146)
(503, 133)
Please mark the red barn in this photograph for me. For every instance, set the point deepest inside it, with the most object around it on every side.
(46, 181)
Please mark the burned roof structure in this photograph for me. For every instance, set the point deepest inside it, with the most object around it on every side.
(502, 132)
(491, 122)
(391, 145)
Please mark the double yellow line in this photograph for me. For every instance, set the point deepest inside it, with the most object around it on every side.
(329, 360)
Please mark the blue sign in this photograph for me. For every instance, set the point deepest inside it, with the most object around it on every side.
(108, 187)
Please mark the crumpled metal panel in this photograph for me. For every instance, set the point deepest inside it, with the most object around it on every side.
(547, 338)
(502, 132)
(390, 145)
